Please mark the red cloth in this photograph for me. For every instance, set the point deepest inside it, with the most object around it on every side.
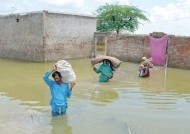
(148, 74)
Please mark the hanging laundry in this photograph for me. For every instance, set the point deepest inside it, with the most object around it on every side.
(158, 49)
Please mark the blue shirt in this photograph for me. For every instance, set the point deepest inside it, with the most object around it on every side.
(59, 93)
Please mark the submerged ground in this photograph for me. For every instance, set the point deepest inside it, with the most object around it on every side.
(127, 104)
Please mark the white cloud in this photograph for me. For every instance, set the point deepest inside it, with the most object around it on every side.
(171, 18)
(58, 2)
(76, 3)
(112, 1)
(171, 11)
(79, 3)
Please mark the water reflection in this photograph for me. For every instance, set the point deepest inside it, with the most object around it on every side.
(156, 81)
(98, 107)
(60, 125)
(23, 80)
(18, 119)
(104, 96)
(170, 80)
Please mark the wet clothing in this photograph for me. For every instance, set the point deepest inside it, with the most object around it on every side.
(106, 72)
(144, 71)
(59, 94)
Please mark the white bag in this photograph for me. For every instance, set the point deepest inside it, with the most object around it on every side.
(66, 71)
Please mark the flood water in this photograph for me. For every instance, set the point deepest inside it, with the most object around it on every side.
(127, 104)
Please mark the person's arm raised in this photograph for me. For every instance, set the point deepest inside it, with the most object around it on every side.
(72, 84)
(46, 76)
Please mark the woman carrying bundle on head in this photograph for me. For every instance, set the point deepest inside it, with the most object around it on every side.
(106, 71)
(109, 64)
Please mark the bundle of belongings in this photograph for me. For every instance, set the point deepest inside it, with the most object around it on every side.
(67, 73)
(115, 63)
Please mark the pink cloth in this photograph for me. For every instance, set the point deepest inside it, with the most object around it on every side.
(158, 49)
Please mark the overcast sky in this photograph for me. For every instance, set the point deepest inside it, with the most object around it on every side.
(168, 16)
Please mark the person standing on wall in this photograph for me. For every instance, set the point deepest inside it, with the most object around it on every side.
(59, 90)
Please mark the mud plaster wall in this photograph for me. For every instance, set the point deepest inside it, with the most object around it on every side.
(68, 36)
(46, 36)
(21, 37)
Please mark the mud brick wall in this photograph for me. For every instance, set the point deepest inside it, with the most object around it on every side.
(128, 47)
(133, 47)
(179, 52)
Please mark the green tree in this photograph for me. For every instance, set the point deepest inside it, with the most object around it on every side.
(115, 17)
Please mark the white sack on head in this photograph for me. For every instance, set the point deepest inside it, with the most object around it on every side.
(66, 71)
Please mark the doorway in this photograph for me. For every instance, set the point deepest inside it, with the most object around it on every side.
(100, 44)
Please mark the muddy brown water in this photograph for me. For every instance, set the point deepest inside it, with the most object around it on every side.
(127, 104)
